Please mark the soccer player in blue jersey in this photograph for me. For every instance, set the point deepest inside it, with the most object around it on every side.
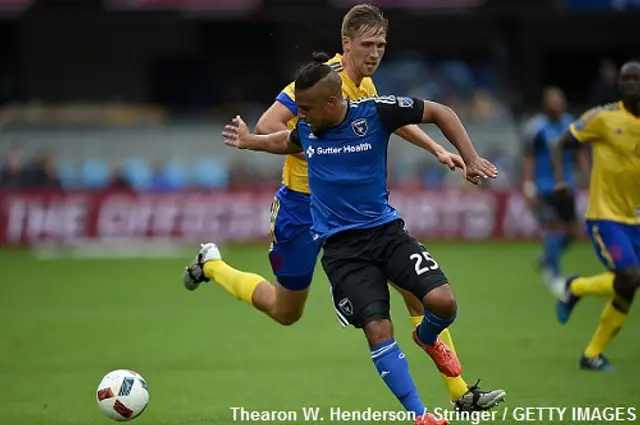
(365, 242)
(613, 213)
(293, 253)
(557, 218)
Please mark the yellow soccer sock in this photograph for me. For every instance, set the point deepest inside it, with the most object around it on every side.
(240, 284)
(611, 321)
(457, 387)
(416, 320)
(598, 285)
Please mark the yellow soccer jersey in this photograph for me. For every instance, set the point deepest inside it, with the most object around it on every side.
(294, 171)
(615, 179)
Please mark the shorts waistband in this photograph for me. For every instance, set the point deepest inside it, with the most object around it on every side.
(292, 194)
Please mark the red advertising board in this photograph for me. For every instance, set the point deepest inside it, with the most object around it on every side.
(34, 217)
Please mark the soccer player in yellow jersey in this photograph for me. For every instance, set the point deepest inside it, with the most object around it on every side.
(613, 213)
(294, 253)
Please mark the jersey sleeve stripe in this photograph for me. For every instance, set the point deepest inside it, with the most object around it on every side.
(288, 102)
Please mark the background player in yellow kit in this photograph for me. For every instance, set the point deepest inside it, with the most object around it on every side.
(294, 253)
(613, 213)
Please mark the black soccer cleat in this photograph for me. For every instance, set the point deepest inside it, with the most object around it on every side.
(194, 272)
(597, 364)
(477, 400)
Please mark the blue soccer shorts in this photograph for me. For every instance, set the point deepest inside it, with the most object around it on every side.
(617, 244)
(293, 252)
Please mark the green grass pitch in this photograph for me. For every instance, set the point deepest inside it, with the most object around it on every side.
(67, 322)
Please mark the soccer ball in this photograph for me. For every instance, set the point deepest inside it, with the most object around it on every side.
(122, 395)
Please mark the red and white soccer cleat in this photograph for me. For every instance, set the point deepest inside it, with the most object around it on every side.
(430, 419)
(444, 358)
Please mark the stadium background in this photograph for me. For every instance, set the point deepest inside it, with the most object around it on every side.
(110, 115)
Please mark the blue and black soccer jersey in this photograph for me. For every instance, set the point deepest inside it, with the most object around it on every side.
(348, 164)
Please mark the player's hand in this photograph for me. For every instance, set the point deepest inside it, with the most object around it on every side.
(480, 169)
(236, 134)
(451, 160)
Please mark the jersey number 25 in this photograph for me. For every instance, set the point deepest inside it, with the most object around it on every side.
(429, 263)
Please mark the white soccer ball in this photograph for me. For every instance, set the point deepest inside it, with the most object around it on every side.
(122, 395)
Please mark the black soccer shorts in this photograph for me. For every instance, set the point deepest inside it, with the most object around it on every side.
(359, 263)
(554, 207)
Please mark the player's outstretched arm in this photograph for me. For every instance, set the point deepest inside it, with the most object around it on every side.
(414, 135)
(274, 119)
(529, 188)
(584, 164)
(396, 112)
(449, 123)
(557, 159)
(587, 129)
(238, 136)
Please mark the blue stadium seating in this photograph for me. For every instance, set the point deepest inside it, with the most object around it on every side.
(138, 172)
(211, 174)
(68, 175)
(175, 175)
(94, 173)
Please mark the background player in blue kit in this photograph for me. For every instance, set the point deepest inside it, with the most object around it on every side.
(365, 242)
(557, 218)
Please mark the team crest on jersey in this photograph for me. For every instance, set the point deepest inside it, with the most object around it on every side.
(346, 306)
(405, 102)
(360, 127)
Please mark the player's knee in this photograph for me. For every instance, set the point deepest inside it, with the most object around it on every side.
(627, 282)
(378, 331)
(441, 302)
(287, 318)
(635, 278)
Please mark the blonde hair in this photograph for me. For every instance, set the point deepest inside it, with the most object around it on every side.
(362, 18)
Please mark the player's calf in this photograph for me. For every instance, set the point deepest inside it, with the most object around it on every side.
(613, 318)
(287, 305)
(440, 312)
(625, 285)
